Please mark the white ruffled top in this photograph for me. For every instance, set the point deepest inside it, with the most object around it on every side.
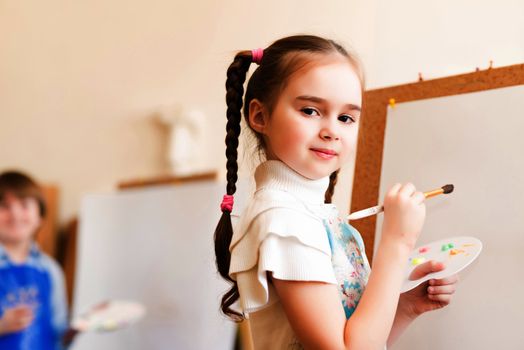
(281, 232)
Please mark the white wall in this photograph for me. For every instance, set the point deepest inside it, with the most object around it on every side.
(81, 80)
(441, 38)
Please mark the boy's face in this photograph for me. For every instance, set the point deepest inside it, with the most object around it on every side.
(19, 219)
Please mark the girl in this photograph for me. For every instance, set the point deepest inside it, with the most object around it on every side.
(298, 270)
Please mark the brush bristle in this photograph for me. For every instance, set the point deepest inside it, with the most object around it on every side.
(448, 188)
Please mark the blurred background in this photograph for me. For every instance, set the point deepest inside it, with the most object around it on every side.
(82, 80)
(87, 89)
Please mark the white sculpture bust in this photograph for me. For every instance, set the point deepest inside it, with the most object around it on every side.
(186, 139)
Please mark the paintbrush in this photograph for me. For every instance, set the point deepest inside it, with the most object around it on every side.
(380, 208)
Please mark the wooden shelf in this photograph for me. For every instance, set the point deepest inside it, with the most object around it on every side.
(167, 180)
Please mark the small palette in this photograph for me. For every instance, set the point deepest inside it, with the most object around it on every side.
(109, 316)
(456, 253)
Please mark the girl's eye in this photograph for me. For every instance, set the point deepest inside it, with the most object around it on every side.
(346, 118)
(310, 111)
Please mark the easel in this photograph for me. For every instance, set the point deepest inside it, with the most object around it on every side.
(373, 125)
(46, 235)
(71, 229)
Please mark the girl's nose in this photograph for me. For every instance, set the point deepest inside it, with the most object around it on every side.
(329, 136)
(329, 133)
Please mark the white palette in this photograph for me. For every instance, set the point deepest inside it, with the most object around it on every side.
(463, 252)
(109, 316)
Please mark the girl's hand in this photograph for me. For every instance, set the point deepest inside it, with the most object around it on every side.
(16, 319)
(430, 295)
(404, 214)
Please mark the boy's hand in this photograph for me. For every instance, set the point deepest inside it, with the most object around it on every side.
(430, 295)
(69, 336)
(16, 319)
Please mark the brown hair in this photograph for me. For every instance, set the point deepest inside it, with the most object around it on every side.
(22, 186)
(280, 60)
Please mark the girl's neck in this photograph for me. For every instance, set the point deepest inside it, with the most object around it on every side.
(17, 251)
(276, 174)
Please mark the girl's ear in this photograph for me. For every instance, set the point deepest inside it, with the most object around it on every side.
(257, 116)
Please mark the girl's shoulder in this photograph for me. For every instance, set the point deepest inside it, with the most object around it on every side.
(279, 217)
(277, 212)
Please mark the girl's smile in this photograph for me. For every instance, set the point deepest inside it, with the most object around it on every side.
(324, 153)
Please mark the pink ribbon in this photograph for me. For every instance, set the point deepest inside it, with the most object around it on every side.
(227, 203)
(257, 55)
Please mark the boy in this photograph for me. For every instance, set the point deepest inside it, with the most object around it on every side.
(33, 312)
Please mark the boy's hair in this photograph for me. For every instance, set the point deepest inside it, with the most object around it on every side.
(280, 60)
(22, 186)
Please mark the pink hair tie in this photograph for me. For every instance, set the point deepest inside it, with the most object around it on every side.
(257, 55)
(227, 203)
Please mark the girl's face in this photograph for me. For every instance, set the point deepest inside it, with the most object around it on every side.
(19, 218)
(314, 125)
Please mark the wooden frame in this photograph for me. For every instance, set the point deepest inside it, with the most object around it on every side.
(46, 235)
(368, 166)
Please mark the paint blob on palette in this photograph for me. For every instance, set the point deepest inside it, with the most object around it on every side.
(456, 253)
(109, 316)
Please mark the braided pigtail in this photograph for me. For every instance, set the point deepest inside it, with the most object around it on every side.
(331, 188)
(236, 75)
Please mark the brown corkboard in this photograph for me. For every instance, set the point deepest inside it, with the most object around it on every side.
(368, 166)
